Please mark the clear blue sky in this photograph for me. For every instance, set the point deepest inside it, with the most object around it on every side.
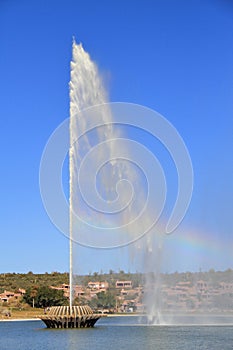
(175, 57)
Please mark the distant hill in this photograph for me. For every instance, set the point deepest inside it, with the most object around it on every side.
(14, 281)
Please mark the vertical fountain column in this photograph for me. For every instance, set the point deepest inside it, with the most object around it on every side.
(86, 90)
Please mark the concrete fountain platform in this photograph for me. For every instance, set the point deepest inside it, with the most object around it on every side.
(70, 317)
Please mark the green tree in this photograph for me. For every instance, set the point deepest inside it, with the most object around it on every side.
(106, 300)
(45, 297)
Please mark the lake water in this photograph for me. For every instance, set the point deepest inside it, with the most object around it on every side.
(116, 333)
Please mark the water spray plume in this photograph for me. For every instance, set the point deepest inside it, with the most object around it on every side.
(117, 186)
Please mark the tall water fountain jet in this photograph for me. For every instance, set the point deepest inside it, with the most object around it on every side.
(123, 200)
(86, 90)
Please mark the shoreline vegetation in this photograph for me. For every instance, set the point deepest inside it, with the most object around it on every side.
(26, 296)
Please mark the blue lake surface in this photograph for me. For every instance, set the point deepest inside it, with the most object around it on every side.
(115, 333)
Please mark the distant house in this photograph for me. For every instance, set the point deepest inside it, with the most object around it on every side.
(9, 294)
(6, 296)
(64, 287)
(128, 291)
(124, 284)
(79, 291)
(98, 285)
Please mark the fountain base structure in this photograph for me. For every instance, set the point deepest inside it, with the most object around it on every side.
(70, 317)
